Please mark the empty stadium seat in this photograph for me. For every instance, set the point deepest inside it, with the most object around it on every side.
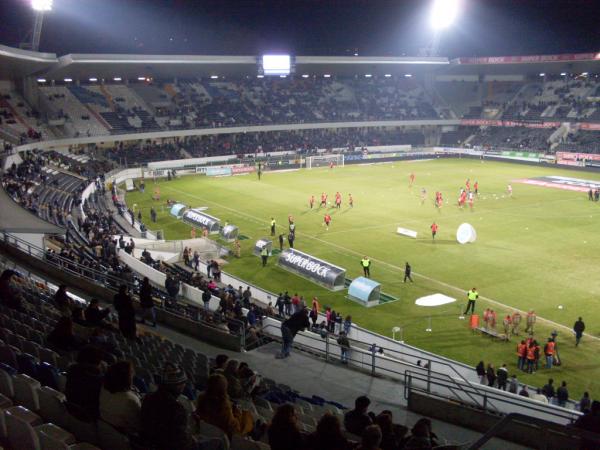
(5, 403)
(26, 391)
(111, 438)
(53, 437)
(20, 423)
(6, 381)
(8, 356)
(27, 364)
(48, 375)
(52, 406)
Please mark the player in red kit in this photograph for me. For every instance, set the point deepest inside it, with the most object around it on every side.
(411, 179)
(323, 200)
(462, 199)
(311, 201)
(338, 200)
(439, 200)
(468, 184)
(476, 187)
(331, 165)
(327, 220)
(434, 229)
(350, 201)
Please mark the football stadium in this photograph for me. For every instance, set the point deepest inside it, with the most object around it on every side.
(227, 244)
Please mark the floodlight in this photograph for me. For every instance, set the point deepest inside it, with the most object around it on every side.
(388, 75)
(368, 75)
(305, 75)
(260, 76)
(584, 74)
(563, 74)
(117, 79)
(141, 78)
(282, 76)
(41, 5)
(93, 79)
(41, 80)
(443, 13)
(542, 74)
(327, 75)
(408, 75)
(214, 77)
(68, 80)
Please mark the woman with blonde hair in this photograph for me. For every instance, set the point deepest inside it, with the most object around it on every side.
(214, 407)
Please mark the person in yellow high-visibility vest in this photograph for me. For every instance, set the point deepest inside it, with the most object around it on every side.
(366, 265)
(472, 295)
(272, 226)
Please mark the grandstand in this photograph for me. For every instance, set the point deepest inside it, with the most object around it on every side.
(70, 146)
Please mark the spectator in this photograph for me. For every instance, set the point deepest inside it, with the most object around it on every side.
(289, 329)
(84, 381)
(206, 296)
(513, 385)
(590, 422)
(147, 302)
(421, 436)
(284, 431)
(94, 315)
(490, 375)
(578, 329)
(371, 438)
(562, 394)
(328, 435)
(164, 420)
(344, 344)
(480, 369)
(8, 294)
(172, 288)
(214, 407)
(585, 403)
(220, 363)
(62, 337)
(548, 389)
(356, 420)
(539, 396)
(124, 307)
(62, 301)
(502, 376)
(391, 434)
(523, 392)
(347, 325)
(119, 405)
(234, 385)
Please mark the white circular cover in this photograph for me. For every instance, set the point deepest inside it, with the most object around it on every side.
(466, 234)
(434, 300)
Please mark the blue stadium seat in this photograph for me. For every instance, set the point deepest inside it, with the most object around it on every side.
(47, 375)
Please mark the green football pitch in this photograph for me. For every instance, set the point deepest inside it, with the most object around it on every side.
(538, 249)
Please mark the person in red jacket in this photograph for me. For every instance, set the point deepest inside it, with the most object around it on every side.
(434, 230)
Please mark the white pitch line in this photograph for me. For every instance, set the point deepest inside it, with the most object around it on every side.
(384, 263)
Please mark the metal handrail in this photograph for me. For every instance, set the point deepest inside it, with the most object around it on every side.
(373, 356)
(400, 374)
(546, 426)
(64, 264)
(435, 379)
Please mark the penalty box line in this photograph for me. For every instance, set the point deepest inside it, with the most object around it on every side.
(384, 263)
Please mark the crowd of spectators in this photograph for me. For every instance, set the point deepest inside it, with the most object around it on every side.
(255, 101)
(304, 141)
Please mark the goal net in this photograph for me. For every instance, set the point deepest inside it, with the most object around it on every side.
(324, 160)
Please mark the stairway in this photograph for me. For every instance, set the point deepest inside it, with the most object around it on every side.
(108, 97)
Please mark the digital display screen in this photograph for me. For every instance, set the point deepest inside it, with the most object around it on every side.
(276, 64)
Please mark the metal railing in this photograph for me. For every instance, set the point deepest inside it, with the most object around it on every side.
(104, 279)
(548, 431)
(378, 361)
(423, 378)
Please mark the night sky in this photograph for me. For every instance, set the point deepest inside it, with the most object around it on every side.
(305, 27)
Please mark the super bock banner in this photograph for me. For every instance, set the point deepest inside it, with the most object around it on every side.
(316, 270)
(201, 220)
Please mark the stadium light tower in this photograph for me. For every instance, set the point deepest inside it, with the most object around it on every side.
(442, 15)
(40, 7)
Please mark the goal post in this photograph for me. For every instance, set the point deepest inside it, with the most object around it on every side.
(324, 160)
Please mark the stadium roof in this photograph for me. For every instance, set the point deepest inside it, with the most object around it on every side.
(16, 63)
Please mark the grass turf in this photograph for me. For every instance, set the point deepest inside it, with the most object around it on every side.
(536, 250)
